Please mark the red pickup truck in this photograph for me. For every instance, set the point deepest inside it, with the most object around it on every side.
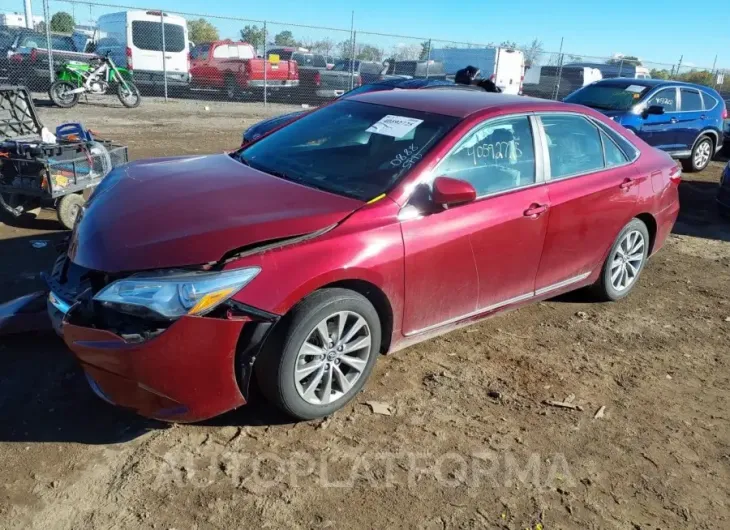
(234, 67)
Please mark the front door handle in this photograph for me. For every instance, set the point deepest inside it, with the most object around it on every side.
(673, 120)
(535, 210)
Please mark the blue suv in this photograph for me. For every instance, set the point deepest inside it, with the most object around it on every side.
(683, 119)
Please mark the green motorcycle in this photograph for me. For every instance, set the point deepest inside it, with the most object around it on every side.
(76, 78)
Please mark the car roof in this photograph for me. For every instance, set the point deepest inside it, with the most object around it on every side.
(454, 102)
(649, 83)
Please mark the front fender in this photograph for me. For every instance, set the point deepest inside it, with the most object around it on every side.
(361, 248)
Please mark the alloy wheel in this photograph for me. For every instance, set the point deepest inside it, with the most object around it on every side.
(703, 153)
(332, 358)
(627, 260)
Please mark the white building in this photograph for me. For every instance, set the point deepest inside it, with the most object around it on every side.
(17, 20)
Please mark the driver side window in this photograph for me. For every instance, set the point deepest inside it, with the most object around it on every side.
(666, 98)
(495, 157)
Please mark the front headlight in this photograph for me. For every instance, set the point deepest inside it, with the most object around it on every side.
(172, 294)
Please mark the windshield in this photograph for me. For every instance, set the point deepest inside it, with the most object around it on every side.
(616, 96)
(337, 148)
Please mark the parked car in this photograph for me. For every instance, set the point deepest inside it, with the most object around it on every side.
(683, 119)
(503, 66)
(259, 129)
(723, 193)
(726, 125)
(416, 69)
(346, 75)
(234, 67)
(133, 39)
(310, 66)
(27, 57)
(373, 223)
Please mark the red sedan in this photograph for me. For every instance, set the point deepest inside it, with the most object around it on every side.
(368, 225)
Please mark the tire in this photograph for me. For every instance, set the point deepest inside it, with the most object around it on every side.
(132, 99)
(58, 96)
(68, 209)
(308, 398)
(232, 91)
(608, 287)
(701, 156)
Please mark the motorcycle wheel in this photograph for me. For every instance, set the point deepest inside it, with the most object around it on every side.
(130, 98)
(60, 96)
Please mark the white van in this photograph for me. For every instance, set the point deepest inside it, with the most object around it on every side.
(134, 39)
(504, 66)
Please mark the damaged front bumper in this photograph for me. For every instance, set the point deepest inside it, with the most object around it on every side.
(196, 368)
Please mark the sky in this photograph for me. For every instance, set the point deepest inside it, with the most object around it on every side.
(654, 30)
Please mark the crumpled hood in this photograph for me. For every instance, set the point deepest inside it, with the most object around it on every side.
(176, 212)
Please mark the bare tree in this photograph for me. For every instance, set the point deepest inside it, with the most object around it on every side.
(533, 52)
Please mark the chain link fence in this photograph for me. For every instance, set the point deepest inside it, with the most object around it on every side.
(228, 58)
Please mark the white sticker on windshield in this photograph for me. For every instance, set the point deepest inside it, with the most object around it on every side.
(636, 89)
(395, 126)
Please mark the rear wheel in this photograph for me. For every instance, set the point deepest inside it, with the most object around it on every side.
(68, 209)
(60, 94)
(624, 263)
(701, 155)
(231, 88)
(129, 95)
(323, 356)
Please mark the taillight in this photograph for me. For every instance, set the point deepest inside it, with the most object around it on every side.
(128, 53)
(16, 58)
(293, 70)
(317, 79)
(522, 81)
(34, 55)
(493, 78)
(724, 113)
(675, 174)
(358, 80)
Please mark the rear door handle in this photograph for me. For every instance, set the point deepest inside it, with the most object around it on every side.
(629, 183)
(673, 120)
(535, 210)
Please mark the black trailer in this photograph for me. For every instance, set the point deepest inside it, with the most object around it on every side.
(34, 173)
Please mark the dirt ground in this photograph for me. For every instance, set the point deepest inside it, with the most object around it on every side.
(466, 441)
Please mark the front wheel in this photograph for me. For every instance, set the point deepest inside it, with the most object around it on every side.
(129, 95)
(62, 96)
(624, 263)
(323, 356)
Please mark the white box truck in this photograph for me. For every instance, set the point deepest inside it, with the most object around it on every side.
(504, 66)
(134, 39)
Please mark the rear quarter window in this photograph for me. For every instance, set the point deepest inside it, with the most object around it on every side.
(710, 101)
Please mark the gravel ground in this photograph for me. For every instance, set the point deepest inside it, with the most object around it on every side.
(466, 441)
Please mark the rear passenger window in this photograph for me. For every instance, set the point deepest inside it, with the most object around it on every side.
(614, 156)
(710, 101)
(574, 145)
(691, 100)
(496, 157)
(667, 99)
(221, 52)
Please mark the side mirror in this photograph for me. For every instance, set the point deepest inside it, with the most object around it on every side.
(656, 110)
(448, 191)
